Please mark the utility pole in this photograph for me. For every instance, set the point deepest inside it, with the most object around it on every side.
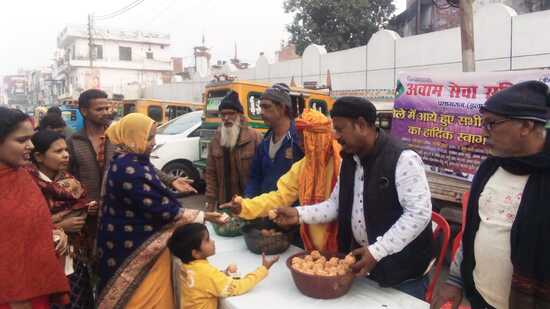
(418, 13)
(90, 41)
(467, 35)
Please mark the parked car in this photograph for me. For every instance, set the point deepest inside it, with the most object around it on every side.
(177, 147)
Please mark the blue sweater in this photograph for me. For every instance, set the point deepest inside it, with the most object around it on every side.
(264, 172)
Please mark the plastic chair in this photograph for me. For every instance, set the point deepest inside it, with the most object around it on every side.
(442, 227)
(458, 237)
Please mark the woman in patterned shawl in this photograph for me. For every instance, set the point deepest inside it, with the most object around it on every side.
(68, 205)
(137, 217)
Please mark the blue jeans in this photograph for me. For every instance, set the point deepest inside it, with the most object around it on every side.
(415, 287)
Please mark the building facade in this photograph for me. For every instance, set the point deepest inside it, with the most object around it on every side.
(120, 62)
(424, 16)
(15, 90)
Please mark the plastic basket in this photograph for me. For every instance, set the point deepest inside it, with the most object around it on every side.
(231, 228)
(257, 243)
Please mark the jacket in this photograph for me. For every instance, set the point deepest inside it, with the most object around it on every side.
(382, 211)
(84, 165)
(265, 172)
(222, 181)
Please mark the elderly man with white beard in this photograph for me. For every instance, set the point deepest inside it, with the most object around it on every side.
(230, 154)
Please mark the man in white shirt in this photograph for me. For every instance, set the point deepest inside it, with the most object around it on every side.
(504, 261)
(382, 202)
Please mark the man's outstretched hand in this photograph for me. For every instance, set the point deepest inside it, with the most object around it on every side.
(286, 216)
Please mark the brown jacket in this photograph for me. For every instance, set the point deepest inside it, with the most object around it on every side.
(241, 157)
(84, 165)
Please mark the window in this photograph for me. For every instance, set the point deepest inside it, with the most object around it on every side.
(98, 52)
(319, 105)
(298, 104)
(73, 53)
(173, 111)
(149, 55)
(196, 133)
(254, 109)
(155, 112)
(125, 53)
(213, 101)
(182, 124)
(129, 108)
(383, 121)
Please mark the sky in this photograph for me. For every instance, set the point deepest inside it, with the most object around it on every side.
(29, 28)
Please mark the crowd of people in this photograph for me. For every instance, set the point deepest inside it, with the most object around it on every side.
(89, 222)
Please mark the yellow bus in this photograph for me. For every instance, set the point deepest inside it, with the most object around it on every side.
(249, 95)
(159, 110)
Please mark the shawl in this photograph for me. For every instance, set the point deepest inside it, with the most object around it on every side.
(29, 267)
(530, 233)
(319, 148)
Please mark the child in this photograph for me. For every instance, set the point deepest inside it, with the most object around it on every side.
(202, 283)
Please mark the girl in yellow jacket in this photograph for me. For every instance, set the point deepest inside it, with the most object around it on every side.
(202, 283)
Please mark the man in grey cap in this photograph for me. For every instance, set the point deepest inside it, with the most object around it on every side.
(280, 147)
(504, 260)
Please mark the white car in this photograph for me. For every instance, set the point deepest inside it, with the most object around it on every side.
(177, 146)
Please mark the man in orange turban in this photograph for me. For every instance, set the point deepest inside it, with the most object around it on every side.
(309, 181)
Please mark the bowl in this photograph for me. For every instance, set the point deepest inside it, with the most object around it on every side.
(260, 243)
(232, 228)
(322, 287)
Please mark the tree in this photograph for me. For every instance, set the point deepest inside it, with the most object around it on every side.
(337, 24)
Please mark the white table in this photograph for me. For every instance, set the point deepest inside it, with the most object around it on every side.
(279, 292)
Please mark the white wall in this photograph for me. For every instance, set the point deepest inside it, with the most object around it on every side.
(161, 55)
(123, 82)
(186, 91)
(531, 40)
(503, 41)
(117, 76)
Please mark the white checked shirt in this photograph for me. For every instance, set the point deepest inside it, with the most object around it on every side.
(414, 196)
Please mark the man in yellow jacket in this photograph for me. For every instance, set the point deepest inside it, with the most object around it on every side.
(309, 181)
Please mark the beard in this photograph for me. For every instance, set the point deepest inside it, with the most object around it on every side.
(230, 135)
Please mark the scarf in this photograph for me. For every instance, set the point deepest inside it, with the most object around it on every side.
(64, 192)
(131, 133)
(530, 235)
(29, 267)
(319, 148)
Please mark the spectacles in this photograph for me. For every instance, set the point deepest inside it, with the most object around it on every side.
(490, 125)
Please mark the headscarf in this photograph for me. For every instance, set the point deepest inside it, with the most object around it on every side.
(319, 148)
(131, 132)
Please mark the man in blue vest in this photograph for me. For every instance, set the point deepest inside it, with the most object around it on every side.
(381, 201)
(280, 147)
